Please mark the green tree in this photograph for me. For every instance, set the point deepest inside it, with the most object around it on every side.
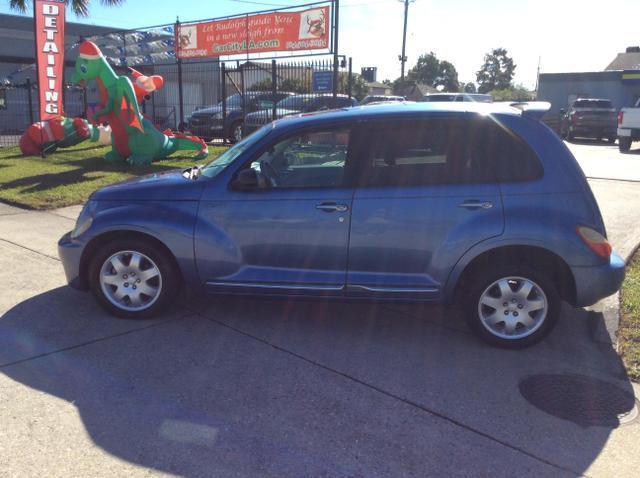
(497, 71)
(469, 88)
(79, 7)
(512, 93)
(359, 86)
(433, 72)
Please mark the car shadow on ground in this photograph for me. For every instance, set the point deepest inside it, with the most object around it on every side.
(248, 386)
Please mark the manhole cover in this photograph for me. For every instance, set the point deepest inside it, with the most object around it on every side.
(585, 401)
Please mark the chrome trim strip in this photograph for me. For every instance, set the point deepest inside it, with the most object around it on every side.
(391, 289)
(277, 286)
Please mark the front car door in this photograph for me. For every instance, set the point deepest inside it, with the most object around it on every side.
(425, 195)
(289, 233)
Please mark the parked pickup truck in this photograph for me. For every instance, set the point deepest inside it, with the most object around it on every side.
(589, 118)
(628, 127)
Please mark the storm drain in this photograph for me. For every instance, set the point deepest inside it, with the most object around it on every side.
(583, 400)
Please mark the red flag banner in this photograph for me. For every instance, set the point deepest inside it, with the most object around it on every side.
(49, 29)
(257, 33)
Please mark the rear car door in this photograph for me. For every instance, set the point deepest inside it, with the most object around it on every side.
(289, 233)
(424, 196)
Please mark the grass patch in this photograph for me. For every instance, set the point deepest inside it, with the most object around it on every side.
(629, 332)
(70, 175)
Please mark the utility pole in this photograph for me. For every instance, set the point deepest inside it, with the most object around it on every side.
(403, 56)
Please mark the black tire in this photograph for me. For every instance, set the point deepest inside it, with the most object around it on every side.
(624, 144)
(169, 277)
(485, 278)
(611, 139)
(232, 131)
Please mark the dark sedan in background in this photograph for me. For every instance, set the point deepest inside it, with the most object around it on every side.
(589, 118)
(296, 104)
(208, 123)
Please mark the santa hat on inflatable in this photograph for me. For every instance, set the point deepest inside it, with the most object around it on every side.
(89, 51)
(155, 79)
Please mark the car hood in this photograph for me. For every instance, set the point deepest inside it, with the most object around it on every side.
(171, 185)
(207, 111)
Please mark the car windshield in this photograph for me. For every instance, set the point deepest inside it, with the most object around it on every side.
(294, 102)
(593, 104)
(233, 101)
(440, 98)
(218, 165)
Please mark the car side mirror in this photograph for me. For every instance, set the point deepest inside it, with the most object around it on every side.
(246, 179)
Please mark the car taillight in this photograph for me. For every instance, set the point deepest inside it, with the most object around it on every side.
(596, 241)
(620, 118)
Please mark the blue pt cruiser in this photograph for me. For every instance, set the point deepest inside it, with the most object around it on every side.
(447, 202)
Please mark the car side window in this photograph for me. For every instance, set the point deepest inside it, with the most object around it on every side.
(412, 153)
(445, 151)
(312, 159)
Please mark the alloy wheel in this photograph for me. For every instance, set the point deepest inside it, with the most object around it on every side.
(130, 280)
(513, 308)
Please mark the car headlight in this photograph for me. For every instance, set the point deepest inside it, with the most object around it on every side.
(85, 219)
(217, 116)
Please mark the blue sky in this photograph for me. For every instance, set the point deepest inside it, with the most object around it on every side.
(568, 35)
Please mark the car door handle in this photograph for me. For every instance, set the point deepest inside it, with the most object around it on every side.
(476, 204)
(332, 207)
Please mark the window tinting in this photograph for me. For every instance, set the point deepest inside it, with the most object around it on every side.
(593, 104)
(445, 151)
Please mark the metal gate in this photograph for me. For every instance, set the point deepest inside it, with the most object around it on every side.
(254, 93)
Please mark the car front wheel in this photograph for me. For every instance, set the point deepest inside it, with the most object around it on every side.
(513, 307)
(133, 279)
(237, 132)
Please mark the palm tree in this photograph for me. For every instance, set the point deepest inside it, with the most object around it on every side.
(79, 7)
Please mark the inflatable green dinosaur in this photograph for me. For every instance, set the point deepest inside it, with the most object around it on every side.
(133, 137)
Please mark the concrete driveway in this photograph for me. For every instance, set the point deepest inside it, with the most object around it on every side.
(241, 387)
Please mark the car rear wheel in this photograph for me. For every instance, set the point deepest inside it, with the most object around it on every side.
(133, 279)
(624, 144)
(512, 307)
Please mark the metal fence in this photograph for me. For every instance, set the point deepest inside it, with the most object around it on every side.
(254, 93)
(231, 92)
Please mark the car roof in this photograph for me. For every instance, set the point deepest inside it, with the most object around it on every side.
(399, 108)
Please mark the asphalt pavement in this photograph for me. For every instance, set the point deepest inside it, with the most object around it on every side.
(249, 387)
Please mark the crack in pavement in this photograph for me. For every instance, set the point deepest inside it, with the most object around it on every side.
(394, 396)
(29, 249)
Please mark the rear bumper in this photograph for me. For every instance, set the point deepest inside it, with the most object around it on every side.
(594, 283)
(595, 131)
(70, 253)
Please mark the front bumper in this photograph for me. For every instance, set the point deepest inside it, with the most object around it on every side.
(594, 283)
(211, 129)
(70, 253)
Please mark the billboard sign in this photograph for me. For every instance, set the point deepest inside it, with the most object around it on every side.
(49, 28)
(256, 33)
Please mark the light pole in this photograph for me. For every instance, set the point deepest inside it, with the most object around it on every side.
(403, 56)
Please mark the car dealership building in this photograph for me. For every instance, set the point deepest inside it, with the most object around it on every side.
(619, 82)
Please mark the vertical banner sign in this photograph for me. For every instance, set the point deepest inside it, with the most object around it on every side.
(49, 29)
(256, 33)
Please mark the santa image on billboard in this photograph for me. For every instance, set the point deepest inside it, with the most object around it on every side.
(313, 24)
